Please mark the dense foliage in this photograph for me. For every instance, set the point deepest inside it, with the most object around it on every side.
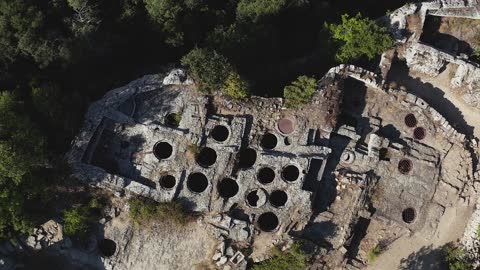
(79, 220)
(209, 69)
(58, 55)
(359, 37)
(300, 91)
(293, 259)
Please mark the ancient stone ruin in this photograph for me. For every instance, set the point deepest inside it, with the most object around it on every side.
(363, 164)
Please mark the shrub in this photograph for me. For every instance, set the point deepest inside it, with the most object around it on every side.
(300, 91)
(358, 36)
(146, 211)
(76, 221)
(208, 68)
(455, 258)
(235, 86)
(293, 259)
(374, 253)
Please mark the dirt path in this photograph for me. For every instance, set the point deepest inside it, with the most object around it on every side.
(419, 253)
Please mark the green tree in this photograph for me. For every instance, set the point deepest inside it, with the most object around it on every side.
(13, 218)
(235, 86)
(175, 16)
(293, 259)
(208, 68)
(300, 91)
(86, 17)
(22, 33)
(358, 36)
(22, 146)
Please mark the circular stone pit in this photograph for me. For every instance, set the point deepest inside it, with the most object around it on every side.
(269, 141)
(173, 119)
(167, 182)
(247, 158)
(419, 133)
(286, 126)
(278, 198)
(256, 198)
(405, 166)
(265, 175)
(162, 150)
(268, 222)
(290, 173)
(206, 157)
(107, 247)
(220, 133)
(410, 120)
(197, 182)
(228, 188)
(408, 215)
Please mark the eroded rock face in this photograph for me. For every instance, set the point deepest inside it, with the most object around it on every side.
(161, 246)
(177, 77)
(425, 59)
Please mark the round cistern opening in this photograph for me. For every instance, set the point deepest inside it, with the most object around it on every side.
(256, 198)
(286, 126)
(220, 133)
(228, 188)
(206, 157)
(107, 247)
(266, 175)
(269, 141)
(278, 198)
(408, 215)
(247, 158)
(197, 182)
(167, 182)
(290, 173)
(162, 150)
(268, 222)
(410, 120)
(173, 119)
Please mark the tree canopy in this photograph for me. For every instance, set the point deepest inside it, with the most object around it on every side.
(57, 56)
(359, 37)
(300, 91)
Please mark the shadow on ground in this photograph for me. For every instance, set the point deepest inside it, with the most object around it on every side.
(434, 96)
(425, 259)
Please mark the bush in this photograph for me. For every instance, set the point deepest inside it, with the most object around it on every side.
(358, 36)
(235, 86)
(374, 253)
(146, 211)
(293, 259)
(79, 220)
(208, 68)
(455, 258)
(300, 91)
(76, 221)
